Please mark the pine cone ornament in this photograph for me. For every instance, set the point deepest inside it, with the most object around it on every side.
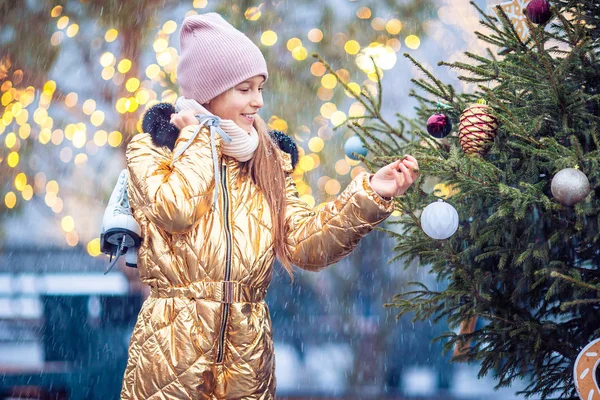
(477, 129)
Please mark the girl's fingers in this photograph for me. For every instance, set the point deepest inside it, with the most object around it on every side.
(408, 179)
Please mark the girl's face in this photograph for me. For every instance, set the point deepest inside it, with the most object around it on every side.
(239, 103)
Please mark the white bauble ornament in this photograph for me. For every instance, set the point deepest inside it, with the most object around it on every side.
(569, 186)
(439, 220)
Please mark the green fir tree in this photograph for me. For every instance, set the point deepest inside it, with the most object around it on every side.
(522, 263)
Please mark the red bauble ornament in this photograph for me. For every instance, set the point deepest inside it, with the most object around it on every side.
(538, 11)
(439, 125)
(477, 129)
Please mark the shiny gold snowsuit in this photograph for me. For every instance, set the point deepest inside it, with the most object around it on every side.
(205, 330)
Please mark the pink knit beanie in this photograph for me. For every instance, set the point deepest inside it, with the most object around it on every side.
(215, 57)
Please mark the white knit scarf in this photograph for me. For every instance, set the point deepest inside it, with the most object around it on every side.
(237, 143)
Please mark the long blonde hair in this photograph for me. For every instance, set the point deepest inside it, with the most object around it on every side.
(267, 173)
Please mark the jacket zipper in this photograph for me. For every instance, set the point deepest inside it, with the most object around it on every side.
(225, 313)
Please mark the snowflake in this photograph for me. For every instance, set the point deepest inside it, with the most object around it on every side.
(515, 10)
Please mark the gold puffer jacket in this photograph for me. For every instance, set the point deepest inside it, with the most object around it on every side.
(205, 330)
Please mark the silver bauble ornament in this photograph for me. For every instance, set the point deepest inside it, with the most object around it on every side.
(569, 186)
(439, 220)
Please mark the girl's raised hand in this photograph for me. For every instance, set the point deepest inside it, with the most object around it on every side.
(395, 178)
(183, 119)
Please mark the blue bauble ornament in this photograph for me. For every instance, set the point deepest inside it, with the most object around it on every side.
(354, 145)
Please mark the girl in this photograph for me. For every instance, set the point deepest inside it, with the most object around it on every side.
(212, 192)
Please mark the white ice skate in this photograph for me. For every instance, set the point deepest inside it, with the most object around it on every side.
(120, 232)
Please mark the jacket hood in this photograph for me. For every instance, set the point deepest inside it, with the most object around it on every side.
(157, 122)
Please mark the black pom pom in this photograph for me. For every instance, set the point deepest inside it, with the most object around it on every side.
(286, 144)
(157, 123)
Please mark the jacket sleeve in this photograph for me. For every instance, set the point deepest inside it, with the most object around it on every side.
(316, 239)
(174, 197)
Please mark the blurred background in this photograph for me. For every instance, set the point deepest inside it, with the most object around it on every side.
(75, 79)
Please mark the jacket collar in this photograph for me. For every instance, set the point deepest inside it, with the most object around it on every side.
(157, 123)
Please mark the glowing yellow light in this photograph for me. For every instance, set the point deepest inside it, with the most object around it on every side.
(52, 187)
(121, 105)
(107, 59)
(62, 22)
(200, 3)
(71, 99)
(72, 238)
(57, 137)
(152, 71)
(13, 159)
(252, 14)
(70, 131)
(356, 110)
(27, 192)
(375, 77)
(115, 138)
(363, 13)
(100, 138)
(268, 38)
(278, 124)
(124, 65)
(328, 81)
(300, 53)
(315, 35)
(40, 115)
(352, 47)
(316, 144)
(57, 205)
(97, 118)
(142, 96)
(80, 159)
(384, 57)
(20, 181)
(169, 27)
(164, 58)
(7, 118)
(10, 199)
(10, 140)
(317, 68)
(393, 26)
(6, 98)
(293, 43)
(160, 45)
(67, 223)
(132, 84)
(72, 30)
(338, 118)
(50, 199)
(79, 139)
(132, 104)
(111, 35)
(328, 109)
(24, 131)
(50, 86)
(378, 24)
(56, 11)
(93, 247)
(306, 163)
(108, 73)
(89, 106)
(354, 88)
(412, 42)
